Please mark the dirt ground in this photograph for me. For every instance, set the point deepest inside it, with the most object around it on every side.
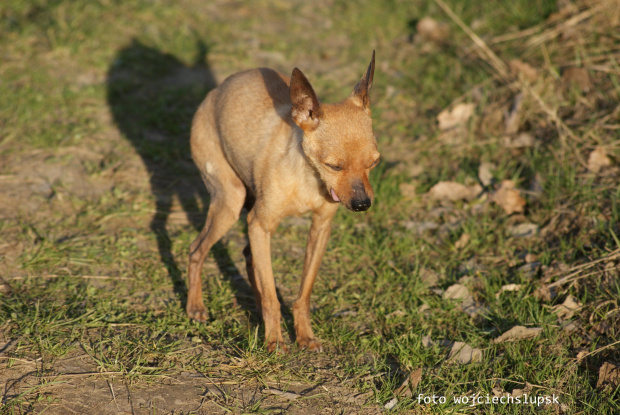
(77, 389)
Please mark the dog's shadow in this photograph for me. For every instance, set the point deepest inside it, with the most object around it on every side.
(153, 97)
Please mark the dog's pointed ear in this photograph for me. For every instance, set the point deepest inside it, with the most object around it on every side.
(306, 108)
(360, 94)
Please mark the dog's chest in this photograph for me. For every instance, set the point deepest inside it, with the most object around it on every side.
(298, 189)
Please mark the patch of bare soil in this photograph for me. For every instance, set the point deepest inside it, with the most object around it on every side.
(73, 386)
(31, 182)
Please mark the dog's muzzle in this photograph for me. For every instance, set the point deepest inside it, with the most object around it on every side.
(360, 200)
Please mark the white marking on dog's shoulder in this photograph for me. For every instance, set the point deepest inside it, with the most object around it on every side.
(209, 168)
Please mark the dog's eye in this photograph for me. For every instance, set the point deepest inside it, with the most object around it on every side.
(333, 167)
(374, 164)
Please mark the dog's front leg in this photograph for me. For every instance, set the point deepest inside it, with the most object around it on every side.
(259, 233)
(317, 242)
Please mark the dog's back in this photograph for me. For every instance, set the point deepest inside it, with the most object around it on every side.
(248, 120)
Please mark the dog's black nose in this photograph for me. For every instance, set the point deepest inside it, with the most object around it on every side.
(360, 205)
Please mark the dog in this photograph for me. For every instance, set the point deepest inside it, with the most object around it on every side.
(264, 142)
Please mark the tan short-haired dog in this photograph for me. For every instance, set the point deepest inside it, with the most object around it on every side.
(265, 142)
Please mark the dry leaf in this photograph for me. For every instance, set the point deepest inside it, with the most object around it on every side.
(578, 77)
(518, 333)
(512, 117)
(546, 293)
(523, 70)
(471, 308)
(456, 292)
(484, 173)
(608, 373)
(458, 115)
(396, 313)
(529, 270)
(414, 378)
(288, 395)
(429, 277)
(408, 386)
(403, 389)
(453, 191)
(498, 391)
(567, 309)
(468, 305)
(523, 230)
(522, 140)
(570, 326)
(517, 393)
(581, 355)
(432, 30)
(598, 159)
(509, 198)
(391, 404)
(531, 258)
(427, 341)
(509, 287)
(462, 242)
(464, 353)
(571, 303)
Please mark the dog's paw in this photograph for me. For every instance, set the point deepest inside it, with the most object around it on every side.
(310, 344)
(198, 313)
(277, 347)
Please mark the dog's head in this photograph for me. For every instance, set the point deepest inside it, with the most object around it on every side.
(338, 139)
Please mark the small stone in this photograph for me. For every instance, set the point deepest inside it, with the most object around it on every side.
(523, 230)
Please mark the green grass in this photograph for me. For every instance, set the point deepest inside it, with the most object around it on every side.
(108, 88)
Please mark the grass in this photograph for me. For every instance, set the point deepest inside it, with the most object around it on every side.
(101, 202)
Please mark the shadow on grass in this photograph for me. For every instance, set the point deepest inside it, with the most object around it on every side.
(153, 97)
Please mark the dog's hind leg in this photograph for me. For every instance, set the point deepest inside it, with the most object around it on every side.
(249, 264)
(228, 194)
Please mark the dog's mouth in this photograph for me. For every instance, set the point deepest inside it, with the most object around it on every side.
(334, 195)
